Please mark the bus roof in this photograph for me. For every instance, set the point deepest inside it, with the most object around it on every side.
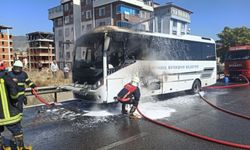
(242, 47)
(181, 37)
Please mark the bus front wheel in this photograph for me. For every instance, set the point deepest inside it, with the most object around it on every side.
(196, 87)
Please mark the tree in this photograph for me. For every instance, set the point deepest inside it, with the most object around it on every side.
(232, 37)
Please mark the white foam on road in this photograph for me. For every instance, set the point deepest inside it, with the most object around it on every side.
(156, 110)
(100, 113)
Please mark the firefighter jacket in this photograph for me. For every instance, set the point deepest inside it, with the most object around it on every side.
(129, 93)
(21, 79)
(9, 113)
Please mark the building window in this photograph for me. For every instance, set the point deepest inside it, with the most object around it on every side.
(88, 14)
(2, 42)
(102, 11)
(174, 32)
(67, 46)
(67, 32)
(60, 32)
(89, 26)
(83, 14)
(102, 24)
(88, 2)
(68, 55)
(10, 43)
(174, 23)
(3, 56)
(83, 27)
(123, 24)
(143, 14)
(123, 9)
(3, 49)
(66, 7)
(2, 36)
(59, 21)
(11, 49)
(66, 19)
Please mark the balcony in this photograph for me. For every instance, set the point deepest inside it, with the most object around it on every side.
(65, 1)
(138, 3)
(55, 12)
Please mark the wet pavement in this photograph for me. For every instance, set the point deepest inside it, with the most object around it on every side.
(79, 126)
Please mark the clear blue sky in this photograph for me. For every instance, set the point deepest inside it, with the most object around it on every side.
(209, 16)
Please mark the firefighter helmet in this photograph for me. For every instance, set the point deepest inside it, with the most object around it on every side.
(135, 81)
(18, 63)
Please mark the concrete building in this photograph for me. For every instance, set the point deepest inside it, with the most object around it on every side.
(72, 18)
(6, 45)
(41, 49)
(172, 19)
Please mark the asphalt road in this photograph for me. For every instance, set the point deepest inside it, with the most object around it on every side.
(79, 126)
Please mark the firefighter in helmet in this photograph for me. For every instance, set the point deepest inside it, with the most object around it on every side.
(2, 68)
(10, 115)
(21, 78)
(130, 94)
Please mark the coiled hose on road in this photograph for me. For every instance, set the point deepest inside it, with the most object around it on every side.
(225, 87)
(227, 143)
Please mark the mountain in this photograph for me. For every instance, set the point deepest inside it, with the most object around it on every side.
(20, 43)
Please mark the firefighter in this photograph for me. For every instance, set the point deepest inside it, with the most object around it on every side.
(21, 78)
(130, 94)
(2, 68)
(10, 115)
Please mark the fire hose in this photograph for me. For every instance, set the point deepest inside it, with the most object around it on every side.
(227, 143)
(224, 87)
(40, 98)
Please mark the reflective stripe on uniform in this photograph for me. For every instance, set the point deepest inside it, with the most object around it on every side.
(4, 99)
(20, 84)
(16, 96)
(10, 120)
(27, 80)
(31, 84)
(7, 118)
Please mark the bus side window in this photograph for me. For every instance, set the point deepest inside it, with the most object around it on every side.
(84, 54)
(208, 52)
(88, 58)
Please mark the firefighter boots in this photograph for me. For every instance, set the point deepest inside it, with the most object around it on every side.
(20, 143)
(124, 111)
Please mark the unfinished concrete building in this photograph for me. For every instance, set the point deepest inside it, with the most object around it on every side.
(41, 49)
(6, 45)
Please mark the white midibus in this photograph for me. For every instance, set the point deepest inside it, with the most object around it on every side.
(106, 58)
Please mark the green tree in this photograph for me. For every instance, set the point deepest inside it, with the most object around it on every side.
(232, 37)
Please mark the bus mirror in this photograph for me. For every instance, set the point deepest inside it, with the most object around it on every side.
(106, 42)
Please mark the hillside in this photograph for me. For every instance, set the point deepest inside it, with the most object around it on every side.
(20, 43)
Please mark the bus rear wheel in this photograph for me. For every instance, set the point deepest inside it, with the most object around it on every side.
(196, 87)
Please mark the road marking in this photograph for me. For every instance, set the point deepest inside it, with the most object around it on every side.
(130, 139)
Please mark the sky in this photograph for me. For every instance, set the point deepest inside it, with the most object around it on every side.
(208, 19)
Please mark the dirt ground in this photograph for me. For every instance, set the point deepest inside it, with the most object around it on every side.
(44, 78)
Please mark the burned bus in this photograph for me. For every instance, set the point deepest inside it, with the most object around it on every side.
(238, 62)
(106, 58)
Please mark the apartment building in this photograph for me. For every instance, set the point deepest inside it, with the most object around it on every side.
(41, 49)
(172, 19)
(72, 18)
(6, 45)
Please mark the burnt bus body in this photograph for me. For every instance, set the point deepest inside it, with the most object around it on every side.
(107, 57)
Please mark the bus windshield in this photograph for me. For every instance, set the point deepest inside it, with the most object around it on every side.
(90, 52)
(88, 62)
(238, 55)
